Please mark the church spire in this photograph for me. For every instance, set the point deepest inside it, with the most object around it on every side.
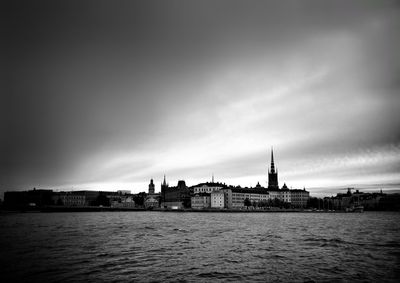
(272, 161)
(164, 182)
(272, 174)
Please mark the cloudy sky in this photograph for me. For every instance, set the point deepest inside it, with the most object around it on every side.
(107, 94)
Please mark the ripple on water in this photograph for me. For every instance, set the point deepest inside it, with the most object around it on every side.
(171, 247)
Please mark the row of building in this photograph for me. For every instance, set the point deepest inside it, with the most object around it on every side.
(221, 196)
(369, 201)
(39, 198)
(202, 196)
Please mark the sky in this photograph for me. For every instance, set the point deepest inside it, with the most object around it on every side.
(106, 95)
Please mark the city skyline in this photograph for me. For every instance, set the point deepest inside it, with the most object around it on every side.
(107, 97)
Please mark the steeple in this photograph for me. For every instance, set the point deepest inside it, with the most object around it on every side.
(272, 174)
(164, 182)
(164, 187)
(272, 161)
(212, 180)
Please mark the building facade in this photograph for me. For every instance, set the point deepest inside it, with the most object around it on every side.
(201, 201)
(217, 199)
(285, 194)
(122, 201)
(299, 198)
(207, 187)
(235, 197)
(72, 199)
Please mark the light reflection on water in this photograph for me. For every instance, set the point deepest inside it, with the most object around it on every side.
(156, 246)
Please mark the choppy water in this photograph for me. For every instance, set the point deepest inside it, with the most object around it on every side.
(187, 247)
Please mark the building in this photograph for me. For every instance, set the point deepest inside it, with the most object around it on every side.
(296, 198)
(28, 199)
(82, 198)
(201, 201)
(207, 187)
(70, 198)
(370, 201)
(175, 197)
(235, 197)
(299, 198)
(122, 201)
(152, 199)
(285, 194)
(217, 199)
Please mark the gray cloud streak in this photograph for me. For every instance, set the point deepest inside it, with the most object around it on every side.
(90, 84)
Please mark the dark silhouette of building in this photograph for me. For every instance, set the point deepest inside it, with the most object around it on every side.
(28, 199)
(178, 196)
(151, 187)
(164, 187)
(272, 174)
(152, 199)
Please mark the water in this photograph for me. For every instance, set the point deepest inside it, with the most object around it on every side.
(202, 247)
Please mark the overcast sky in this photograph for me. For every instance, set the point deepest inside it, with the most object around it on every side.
(107, 94)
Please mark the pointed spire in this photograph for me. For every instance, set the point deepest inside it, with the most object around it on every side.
(272, 161)
(164, 182)
(212, 180)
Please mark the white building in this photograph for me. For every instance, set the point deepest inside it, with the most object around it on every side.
(217, 199)
(285, 194)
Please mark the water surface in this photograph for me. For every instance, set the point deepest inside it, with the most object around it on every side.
(187, 247)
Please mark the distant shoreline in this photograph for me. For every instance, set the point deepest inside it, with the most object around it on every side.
(50, 209)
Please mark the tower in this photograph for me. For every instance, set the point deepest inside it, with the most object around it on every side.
(151, 187)
(272, 174)
(164, 187)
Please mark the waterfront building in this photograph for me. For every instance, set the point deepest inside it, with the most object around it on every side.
(235, 197)
(122, 201)
(217, 199)
(274, 194)
(370, 201)
(299, 198)
(32, 198)
(286, 195)
(71, 199)
(92, 197)
(152, 199)
(296, 198)
(175, 197)
(84, 198)
(201, 201)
